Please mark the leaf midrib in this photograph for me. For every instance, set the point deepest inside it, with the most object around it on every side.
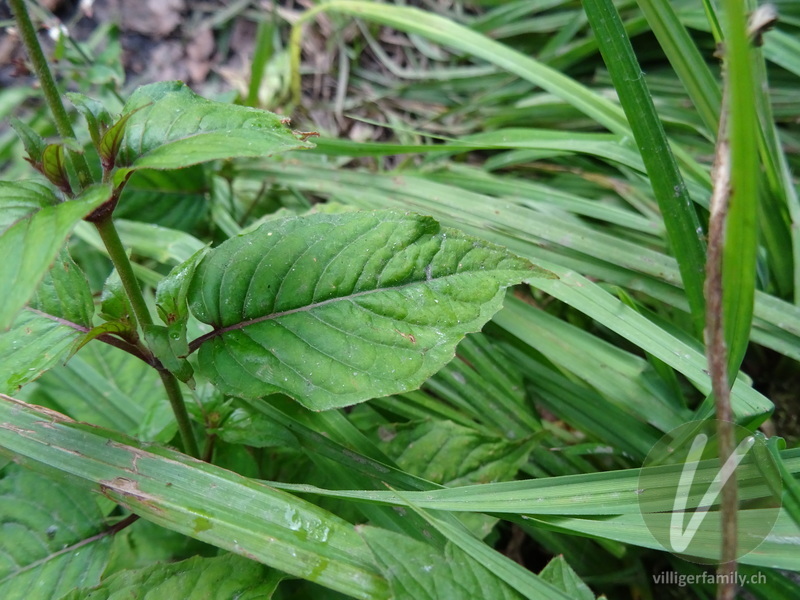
(197, 342)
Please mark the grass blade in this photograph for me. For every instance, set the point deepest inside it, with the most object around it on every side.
(683, 226)
(685, 58)
(197, 499)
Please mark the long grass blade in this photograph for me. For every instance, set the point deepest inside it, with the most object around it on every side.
(683, 226)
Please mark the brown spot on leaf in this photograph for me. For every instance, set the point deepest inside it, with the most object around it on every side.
(409, 336)
(121, 488)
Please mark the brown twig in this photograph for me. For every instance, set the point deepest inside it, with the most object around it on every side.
(717, 353)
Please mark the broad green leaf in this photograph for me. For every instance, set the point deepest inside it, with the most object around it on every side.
(425, 573)
(20, 199)
(251, 428)
(143, 543)
(336, 309)
(560, 574)
(502, 567)
(219, 578)
(41, 521)
(65, 293)
(450, 454)
(60, 313)
(197, 499)
(531, 234)
(29, 245)
(35, 343)
(174, 128)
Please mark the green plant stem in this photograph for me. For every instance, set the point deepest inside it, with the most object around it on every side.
(116, 251)
(179, 409)
(49, 89)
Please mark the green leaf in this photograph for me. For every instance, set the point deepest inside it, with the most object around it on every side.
(174, 199)
(30, 245)
(174, 128)
(446, 453)
(170, 347)
(172, 290)
(560, 574)
(20, 199)
(60, 312)
(35, 343)
(41, 520)
(54, 167)
(33, 142)
(65, 293)
(114, 303)
(336, 309)
(243, 426)
(96, 115)
(427, 573)
(112, 140)
(122, 328)
(218, 578)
